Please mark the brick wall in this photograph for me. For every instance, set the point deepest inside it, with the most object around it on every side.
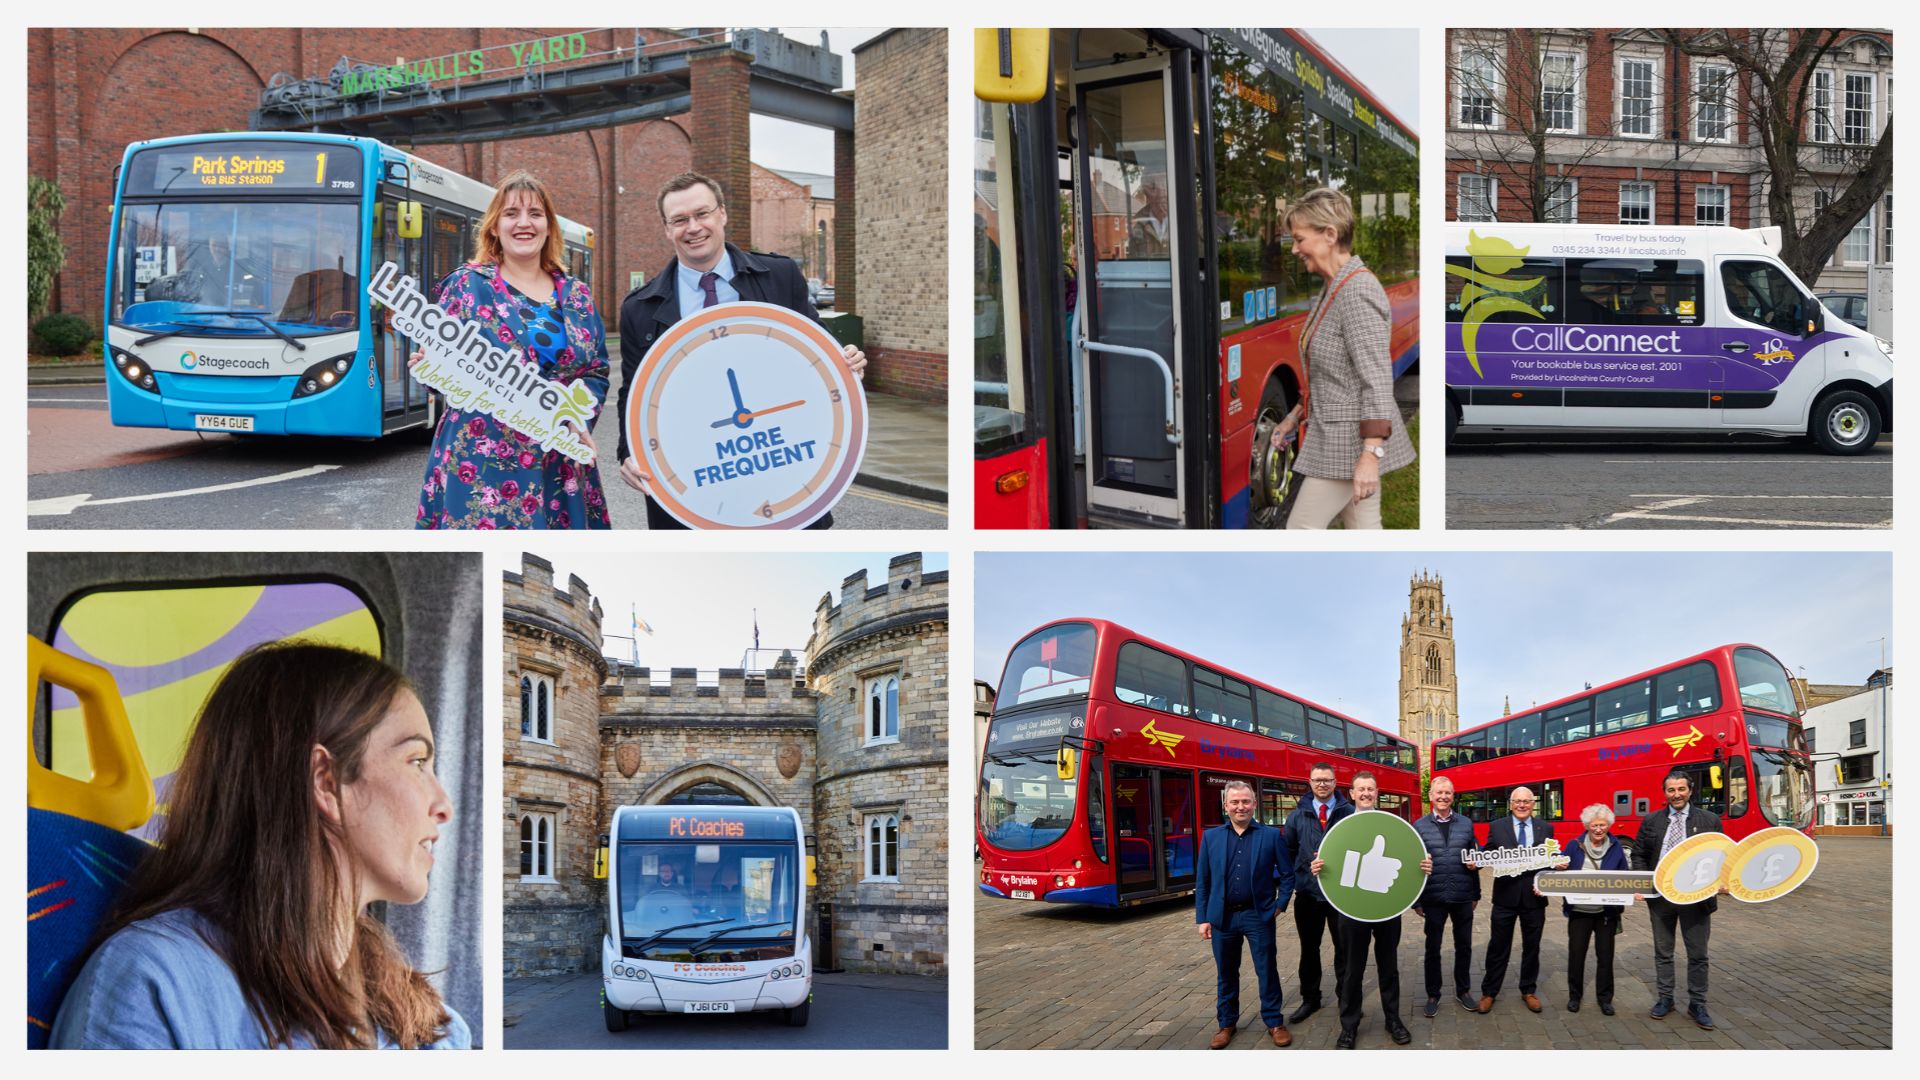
(93, 91)
(900, 161)
(787, 219)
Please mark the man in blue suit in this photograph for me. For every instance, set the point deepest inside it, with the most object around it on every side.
(1243, 883)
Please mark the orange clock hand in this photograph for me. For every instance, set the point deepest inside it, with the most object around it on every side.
(775, 409)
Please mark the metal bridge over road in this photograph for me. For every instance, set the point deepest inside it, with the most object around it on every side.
(446, 100)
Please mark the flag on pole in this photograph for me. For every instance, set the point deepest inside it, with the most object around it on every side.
(640, 627)
(756, 628)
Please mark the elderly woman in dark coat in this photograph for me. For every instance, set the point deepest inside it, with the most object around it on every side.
(1354, 434)
(1597, 923)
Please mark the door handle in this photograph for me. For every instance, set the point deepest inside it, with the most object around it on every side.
(1166, 370)
(1735, 346)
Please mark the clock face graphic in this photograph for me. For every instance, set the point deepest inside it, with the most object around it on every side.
(747, 417)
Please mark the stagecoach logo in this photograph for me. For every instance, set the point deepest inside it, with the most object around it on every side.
(188, 360)
(1486, 293)
(1775, 352)
(1162, 739)
(1681, 742)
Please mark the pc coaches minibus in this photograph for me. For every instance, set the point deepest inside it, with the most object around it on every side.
(1651, 329)
(706, 913)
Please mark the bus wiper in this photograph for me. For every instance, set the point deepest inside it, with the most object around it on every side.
(654, 939)
(257, 316)
(696, 947)
(1020, 755)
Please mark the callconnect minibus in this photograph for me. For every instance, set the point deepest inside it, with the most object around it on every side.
(706, 913)
(1642, 329)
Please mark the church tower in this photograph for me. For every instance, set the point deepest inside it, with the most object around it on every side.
(1429, 682)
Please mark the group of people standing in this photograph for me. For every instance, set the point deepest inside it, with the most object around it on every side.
(1249, 871)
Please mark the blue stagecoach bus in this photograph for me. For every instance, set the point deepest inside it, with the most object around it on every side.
(236, 281)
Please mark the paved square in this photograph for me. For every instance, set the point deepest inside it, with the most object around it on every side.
(1813, 970)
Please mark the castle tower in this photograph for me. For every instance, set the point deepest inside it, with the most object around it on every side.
(1429, 682)
(550, 779)
(878, 661)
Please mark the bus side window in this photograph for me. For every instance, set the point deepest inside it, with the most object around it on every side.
(1760, 292)
(1144, 676)
(1537, 284)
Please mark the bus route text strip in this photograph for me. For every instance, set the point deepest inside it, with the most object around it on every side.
(476, 375)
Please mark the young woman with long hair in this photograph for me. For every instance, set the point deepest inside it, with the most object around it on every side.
(306, 794)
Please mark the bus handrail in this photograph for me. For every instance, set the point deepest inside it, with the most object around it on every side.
(1166, 369)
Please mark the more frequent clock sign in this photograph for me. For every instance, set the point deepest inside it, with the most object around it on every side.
(746, 416)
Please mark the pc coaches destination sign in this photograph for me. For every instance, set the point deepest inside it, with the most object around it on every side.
(747, 417)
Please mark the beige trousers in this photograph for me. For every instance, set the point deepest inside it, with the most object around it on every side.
(1322, 500)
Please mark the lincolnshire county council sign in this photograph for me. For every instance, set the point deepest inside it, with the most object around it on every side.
(746, 416)
(1373, 866)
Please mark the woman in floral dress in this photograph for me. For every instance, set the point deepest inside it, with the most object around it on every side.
(482, 474)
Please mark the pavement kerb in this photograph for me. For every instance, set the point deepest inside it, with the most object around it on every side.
(896, 486)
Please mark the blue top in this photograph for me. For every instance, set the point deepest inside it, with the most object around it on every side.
(1240, 892)
(693, 297)
(158, 985)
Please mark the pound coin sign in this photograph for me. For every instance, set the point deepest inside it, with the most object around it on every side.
(1770, 864)
(1690, 872)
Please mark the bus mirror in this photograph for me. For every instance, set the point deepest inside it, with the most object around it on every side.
(1067, 765)
(410, 217)
(1713, 777)
(813, 882)
(600, 864)
(1010, 66)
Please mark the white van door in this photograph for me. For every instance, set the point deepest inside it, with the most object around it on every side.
(1770, 366)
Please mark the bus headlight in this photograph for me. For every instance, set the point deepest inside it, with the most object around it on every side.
(1885, 346)
(324, 375)
(133, 370)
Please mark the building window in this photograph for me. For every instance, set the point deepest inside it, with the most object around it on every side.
(883, 709)
(1856, 734)
(1563, 200)
(1856, 119)
(1636, 203)
(1711, 85)
(1886, 230)
(1637, 81)
(881, 840)
(536, 707)
(1710, 204)
(1560, 92)
(1857, 769)
(1476, 198)
(1820, 106)
(536, 847)
(1858, 248)
(1477, 83)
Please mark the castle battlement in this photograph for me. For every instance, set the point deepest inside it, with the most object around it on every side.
(907, 589)
(633, 689)
(574, 604)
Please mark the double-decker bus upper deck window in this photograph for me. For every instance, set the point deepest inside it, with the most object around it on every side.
(1623, 707)
(1523, 733)
(1280, 717)
(1363, 742)
(1326, 733)
(1149, 677)
(1537, 283)
(1687, 691)
(1496, 742)
(1442, 756)
(1222, 700)
(1575, 717)
(1470, 748)
(1056, 662)
(1638, 292)
(1764, 684)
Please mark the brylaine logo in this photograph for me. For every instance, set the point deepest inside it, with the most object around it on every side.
(1162, 739)
(1681, 742)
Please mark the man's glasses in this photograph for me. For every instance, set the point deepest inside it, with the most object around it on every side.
(699, 217)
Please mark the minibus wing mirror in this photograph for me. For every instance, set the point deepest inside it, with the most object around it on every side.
(1010, 66)
(410, 218)
(1811, 314)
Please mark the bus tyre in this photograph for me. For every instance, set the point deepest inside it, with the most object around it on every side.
(1845, 422)
(616, 1018)
(1271, 483)
(1453, 419)
(798, 1015)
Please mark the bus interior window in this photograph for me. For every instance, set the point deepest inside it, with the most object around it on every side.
(1552, 806)
(1473, 804)
(1688, 691)
(1622, 708)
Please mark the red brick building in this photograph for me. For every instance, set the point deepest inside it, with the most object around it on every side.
(793, 216)
(1622, 127)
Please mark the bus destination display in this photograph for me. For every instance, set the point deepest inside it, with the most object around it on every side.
(707, 826)
(241, 169)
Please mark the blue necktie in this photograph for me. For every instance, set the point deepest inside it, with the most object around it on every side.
(1526, 834)
(708, 282)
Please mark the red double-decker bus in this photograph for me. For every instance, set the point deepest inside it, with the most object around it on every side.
(1728, 718)
(1108, 753)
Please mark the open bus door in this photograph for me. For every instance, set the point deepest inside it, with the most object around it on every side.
(1143, 349)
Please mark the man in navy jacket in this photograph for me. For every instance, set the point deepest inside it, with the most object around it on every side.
(1313, 917)
(1514, 901)
(1242, 885)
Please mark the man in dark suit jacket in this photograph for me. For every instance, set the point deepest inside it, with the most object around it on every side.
(1514, 901)
(1242, 884)
(1659, 831)
(705, 271)
(1313, 917)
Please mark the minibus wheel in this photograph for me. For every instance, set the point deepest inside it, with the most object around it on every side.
(616, 1018)
(1270, 480)
(797, 1016)
(1845, 422)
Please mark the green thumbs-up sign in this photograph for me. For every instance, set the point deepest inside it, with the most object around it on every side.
(1372, 869)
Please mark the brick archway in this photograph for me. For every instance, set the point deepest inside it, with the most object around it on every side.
(707, 772)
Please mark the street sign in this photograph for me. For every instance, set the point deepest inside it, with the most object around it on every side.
(1372, 870)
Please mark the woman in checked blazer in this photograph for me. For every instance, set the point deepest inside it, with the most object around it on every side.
(1354, 434)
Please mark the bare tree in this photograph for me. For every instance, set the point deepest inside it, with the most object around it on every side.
(1516, 104)
(1778, 71)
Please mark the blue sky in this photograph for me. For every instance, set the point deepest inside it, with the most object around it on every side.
(1530, 625)
(701, 606)
(1386, 62)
